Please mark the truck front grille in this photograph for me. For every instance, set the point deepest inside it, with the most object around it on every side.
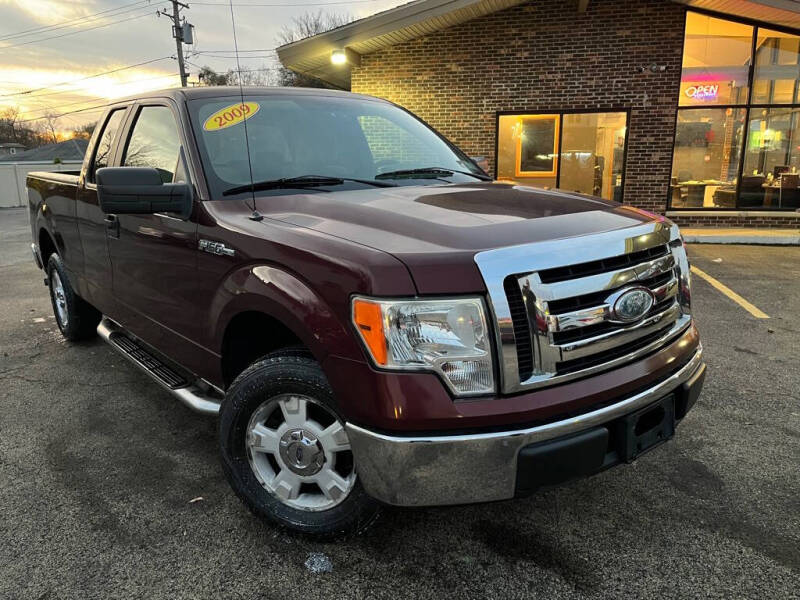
(557, 323)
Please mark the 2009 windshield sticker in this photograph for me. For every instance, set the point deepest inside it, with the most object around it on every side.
(230, 115)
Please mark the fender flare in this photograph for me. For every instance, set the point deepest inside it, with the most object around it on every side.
(285, 297)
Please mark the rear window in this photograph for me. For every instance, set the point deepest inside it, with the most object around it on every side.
(313, 135)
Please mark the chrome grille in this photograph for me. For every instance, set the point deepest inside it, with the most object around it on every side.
(551, 302)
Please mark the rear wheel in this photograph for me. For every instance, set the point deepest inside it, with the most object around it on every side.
(76, 318)
(286, 452)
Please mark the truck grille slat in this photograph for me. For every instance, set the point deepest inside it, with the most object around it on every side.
(579, 364)
(601, 266)
(522, 332)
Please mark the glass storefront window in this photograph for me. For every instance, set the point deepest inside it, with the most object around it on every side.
(743, 151)
(705, 163)
(771, 159)
(580, 152)
(777, 67)
(716, 61)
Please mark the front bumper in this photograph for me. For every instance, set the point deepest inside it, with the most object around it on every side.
(483, 467)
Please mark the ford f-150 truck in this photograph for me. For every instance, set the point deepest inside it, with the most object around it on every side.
(372, 318)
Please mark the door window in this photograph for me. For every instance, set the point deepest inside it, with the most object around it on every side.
(102, 155)
(154, 142)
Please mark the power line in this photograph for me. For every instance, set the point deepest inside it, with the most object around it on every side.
(232, 51)
(54, 37)
(80, 20)
(48, 87)
(60, 106)
(72, 112)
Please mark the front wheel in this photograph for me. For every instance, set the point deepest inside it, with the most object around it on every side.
(285, 450)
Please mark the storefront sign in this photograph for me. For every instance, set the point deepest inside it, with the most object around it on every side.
(702, 92)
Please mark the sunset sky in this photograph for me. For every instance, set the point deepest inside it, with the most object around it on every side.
(45, 43)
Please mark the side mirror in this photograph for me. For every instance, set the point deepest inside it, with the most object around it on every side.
(482, 162)
(140, 191)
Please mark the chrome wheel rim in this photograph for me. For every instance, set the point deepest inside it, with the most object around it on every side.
(59, 298)
(299, 451)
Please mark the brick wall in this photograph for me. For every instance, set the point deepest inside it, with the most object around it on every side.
(541, 57)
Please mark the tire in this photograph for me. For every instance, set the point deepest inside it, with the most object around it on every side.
(76, 318)
(261, 396)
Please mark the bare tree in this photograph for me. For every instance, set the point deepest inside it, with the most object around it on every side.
(262, 76)
(10, 121)
(49, 126)
(209, 76)
(84, 131)
(304, 26)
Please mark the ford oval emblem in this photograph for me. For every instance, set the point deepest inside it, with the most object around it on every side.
(630, 304)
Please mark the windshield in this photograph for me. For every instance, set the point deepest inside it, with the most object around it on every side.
(297, 136)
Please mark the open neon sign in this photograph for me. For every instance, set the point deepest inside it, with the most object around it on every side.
(702, 92)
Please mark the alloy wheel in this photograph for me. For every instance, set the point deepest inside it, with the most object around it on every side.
(299, 451)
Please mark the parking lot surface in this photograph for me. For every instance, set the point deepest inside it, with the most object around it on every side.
(99, 468)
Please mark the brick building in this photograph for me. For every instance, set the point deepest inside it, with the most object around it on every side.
(662, 104)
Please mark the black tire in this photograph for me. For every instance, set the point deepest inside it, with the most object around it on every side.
(80, 319)
(284, 372)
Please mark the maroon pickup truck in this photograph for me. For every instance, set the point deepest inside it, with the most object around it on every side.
(374, 320)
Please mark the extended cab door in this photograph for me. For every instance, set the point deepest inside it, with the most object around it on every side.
(95, 285)
(153, 257)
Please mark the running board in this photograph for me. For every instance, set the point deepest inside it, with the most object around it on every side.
(199, 395)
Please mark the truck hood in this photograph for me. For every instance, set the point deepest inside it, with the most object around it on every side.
(436, 230)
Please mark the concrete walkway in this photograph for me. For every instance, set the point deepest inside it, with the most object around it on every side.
(740, 235)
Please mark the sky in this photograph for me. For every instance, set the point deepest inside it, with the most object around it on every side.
(46, 46)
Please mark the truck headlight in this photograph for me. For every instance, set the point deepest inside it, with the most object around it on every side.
(449, 337)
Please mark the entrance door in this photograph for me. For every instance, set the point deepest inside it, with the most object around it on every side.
(153, 257)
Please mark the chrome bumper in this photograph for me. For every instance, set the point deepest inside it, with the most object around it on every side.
(461, 469)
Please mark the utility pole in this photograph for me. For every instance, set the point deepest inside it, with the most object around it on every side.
(178, 34)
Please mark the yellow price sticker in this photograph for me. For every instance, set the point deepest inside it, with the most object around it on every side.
(230, 115)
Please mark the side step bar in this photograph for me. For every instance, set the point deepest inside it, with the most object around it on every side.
(199, 395)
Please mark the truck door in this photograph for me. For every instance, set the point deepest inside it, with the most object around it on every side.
(153, 257)
(95, 285)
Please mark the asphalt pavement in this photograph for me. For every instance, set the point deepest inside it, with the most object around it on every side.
(111, 489)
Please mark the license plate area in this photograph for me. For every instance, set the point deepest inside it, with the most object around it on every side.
(646, 428)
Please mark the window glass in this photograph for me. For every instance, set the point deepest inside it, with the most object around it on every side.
(592, 154)
(388, 143)
(527, 149)
(777, 67)
(154, 142)
(705, 163)
(105, 143)
(771, 159)
(592, 151)
(716, 61)
(294, 136)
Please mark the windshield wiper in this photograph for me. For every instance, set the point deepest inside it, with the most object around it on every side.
(303, 181)
(432, 172)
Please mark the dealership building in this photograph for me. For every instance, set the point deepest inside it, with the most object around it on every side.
(687, 108)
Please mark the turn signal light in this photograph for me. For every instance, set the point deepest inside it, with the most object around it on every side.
(368, 319)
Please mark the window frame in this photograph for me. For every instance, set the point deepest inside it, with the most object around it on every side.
(560, 113)
(100, 129)
(748, 106)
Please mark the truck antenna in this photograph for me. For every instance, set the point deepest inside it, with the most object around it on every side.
(255, 216)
